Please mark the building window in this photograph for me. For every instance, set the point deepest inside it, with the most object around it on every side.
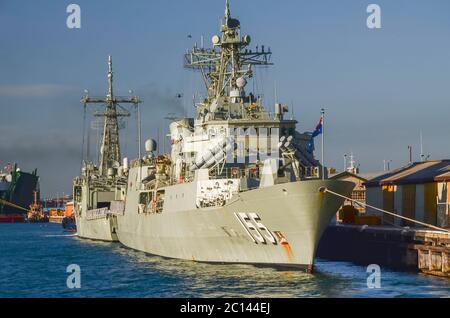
(359, 195)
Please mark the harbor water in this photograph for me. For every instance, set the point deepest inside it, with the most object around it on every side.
(34, 259)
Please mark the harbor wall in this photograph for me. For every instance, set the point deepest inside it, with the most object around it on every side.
(368, 245)
(398, 248)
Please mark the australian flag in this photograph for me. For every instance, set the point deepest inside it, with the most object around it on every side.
(317, 132)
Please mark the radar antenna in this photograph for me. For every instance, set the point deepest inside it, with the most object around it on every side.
(231, 60)
(227, 10)
(110, 148)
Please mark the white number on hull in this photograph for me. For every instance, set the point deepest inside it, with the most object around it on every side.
(255, 217)
(253, 226)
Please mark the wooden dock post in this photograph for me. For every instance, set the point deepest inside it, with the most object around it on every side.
(433, 252)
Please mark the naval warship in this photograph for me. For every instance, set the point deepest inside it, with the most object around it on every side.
(239, 185)
(94, 191)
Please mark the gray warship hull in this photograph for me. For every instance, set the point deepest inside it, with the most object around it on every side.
(296, 214)
(101, 229)
(98, 223)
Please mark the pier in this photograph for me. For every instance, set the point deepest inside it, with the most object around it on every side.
(426, 251)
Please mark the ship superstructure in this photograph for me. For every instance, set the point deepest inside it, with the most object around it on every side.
(238, 185)
(229, 115)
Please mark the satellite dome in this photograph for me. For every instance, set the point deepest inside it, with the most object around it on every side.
(150, 145)
(241, 82)
(215, 39)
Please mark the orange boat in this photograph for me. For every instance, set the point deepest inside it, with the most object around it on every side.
(36, 214)
(68, 209)
(56, 215)
(68, 221)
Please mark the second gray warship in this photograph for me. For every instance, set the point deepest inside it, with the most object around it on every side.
(239, 185)
(95, 189)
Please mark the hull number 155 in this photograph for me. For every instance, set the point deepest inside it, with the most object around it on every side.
(257, 231)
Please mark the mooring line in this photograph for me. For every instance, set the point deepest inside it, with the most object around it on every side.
(12, 205)
(384, 211)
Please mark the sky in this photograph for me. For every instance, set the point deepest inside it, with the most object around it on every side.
(379, 87)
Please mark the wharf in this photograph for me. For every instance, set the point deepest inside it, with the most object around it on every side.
(397, 247)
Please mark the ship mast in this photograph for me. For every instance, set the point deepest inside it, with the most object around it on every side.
(227, 10)
(110, 149)
(221, 68)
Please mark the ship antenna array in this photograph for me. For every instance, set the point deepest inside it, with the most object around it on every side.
(110, 148)
(222, 67)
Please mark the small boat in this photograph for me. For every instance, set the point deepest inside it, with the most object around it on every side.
(36, 213)
(68, 222)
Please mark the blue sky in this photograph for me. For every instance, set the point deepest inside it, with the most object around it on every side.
(379, 87)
